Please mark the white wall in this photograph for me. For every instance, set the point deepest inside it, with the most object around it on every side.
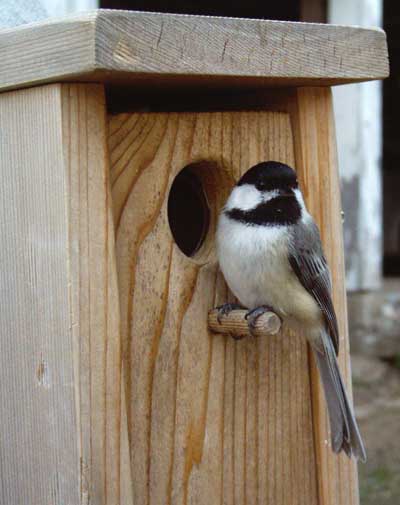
(358, 126)
(14, 13)
(18, 12)
(63, 7)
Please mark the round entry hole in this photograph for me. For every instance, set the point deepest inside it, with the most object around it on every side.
(197, 194)
(188, 211)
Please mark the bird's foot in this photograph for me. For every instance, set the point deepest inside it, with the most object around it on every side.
(224, 310)
(252, 316)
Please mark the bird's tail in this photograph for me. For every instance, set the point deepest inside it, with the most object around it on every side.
(344, 430)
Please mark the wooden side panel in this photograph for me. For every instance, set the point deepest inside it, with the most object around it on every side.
(39, 441)
(316, 159)
(59, 373)
(210, 420)
(94, 307)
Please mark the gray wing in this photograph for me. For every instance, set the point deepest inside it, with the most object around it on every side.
(307, 260)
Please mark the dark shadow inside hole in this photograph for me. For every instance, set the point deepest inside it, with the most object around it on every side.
(188, 212)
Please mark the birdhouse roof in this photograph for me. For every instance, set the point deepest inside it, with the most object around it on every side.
(153, 49)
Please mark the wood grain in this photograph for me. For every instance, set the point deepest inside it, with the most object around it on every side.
(60, 348)
(235, 324)
(316, 159)
(93, 292)
(210, 420)
(151, 49)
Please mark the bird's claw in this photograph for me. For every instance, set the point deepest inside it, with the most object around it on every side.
(224, 310)
(252, 316)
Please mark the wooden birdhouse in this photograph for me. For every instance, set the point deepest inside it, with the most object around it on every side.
(121, 135)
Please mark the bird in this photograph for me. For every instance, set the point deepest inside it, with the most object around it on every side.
(270, 253)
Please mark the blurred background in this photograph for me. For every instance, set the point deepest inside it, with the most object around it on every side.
(367, 123)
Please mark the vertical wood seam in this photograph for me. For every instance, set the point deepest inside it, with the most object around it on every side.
(106, 175)
(89, 282)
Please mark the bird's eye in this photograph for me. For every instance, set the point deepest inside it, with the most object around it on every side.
(261, 186)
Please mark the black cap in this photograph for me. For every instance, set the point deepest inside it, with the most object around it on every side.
(269, 175)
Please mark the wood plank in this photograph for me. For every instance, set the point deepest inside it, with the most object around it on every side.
(150, 49)
(316, 159)
(210, 420)
(94, 292)
(60, 358)
(39, 447)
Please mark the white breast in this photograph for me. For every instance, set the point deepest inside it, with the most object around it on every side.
(255, 265)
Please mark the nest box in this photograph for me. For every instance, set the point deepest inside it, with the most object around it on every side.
(121, 135)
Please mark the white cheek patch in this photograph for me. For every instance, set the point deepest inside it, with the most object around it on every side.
(245, 197)
(300, 199)
(248, 197)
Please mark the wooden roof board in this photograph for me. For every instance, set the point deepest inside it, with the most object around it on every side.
(133, 47)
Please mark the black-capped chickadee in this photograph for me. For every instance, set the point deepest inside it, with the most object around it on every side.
(270, 253)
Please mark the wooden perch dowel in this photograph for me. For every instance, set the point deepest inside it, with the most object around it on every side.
(235, 324)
